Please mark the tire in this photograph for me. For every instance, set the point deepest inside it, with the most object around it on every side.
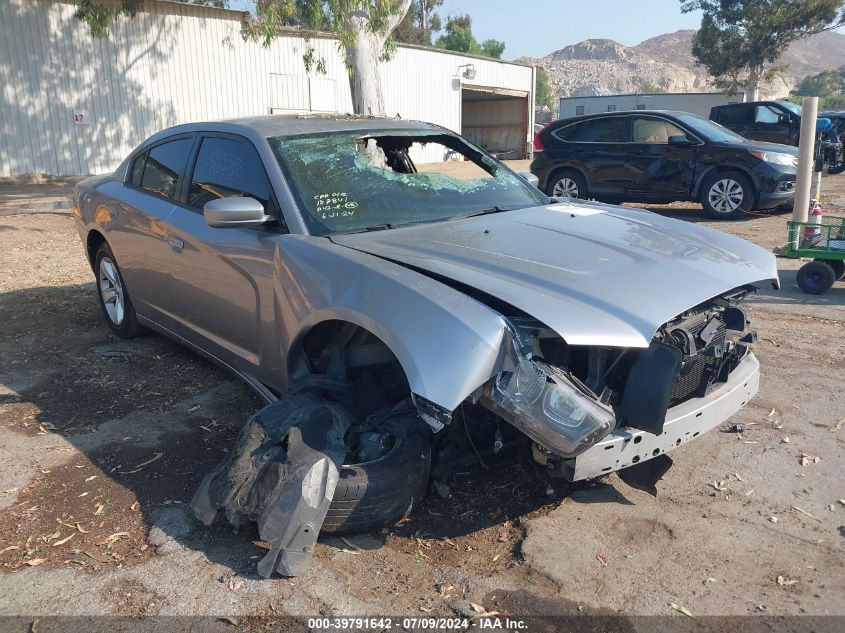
(569, 184)
(727, 196)
(378, 494)
(815, 277)
(113, 296)
(837, 265)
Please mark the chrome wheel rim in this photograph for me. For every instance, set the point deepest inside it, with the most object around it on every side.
(725, 195)
(565, 188)
(111, 291)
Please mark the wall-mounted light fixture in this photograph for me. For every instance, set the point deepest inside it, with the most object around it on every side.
(469, 71)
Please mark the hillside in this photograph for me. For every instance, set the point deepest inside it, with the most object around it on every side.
(598, 67)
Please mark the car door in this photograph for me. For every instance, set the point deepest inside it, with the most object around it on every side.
(137, 219)
(223, 277)
(661, 172)
(599, 147)
(771, 124)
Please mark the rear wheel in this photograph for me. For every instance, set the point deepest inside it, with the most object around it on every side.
(837, 265)
(815, 277)
(727, 196)
(567, 184)
(114, 298)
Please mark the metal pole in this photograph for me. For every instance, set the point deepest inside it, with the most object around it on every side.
(806, 159)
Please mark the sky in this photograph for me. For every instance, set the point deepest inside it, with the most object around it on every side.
(535, 28)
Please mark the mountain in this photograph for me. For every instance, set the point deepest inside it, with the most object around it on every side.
(600, 66)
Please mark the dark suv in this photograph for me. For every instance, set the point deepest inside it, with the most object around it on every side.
(657, 157)
(770, 121)
(780, 122)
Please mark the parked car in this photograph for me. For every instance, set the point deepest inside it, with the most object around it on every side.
(660, 156)
(328, 251)
(778, 122)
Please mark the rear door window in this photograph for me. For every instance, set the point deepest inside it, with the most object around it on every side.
(604, 130)
(163, 165)
(226, 167)
(735, 115)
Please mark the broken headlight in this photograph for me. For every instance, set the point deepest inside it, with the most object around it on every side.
(548, 407)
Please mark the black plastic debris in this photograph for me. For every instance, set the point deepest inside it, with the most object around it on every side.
(282, 475)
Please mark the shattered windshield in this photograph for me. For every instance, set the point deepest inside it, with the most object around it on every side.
(364, 180)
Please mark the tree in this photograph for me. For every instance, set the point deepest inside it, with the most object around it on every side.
(740, 41)
(99, 14)
(828, 86)
(543, 95)
(363, 28)
(459, 37)
(827, 83)
(419, 24)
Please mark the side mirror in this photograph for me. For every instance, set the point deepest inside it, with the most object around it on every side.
(823, 124)
(679, 140)
(784, 119)
(236, 211)
(531, 178)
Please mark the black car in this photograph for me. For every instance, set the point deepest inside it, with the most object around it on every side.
(769, 121)
(780, 122)
(657, 157)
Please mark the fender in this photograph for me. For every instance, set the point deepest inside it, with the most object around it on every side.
(448, 344)
(696, 187)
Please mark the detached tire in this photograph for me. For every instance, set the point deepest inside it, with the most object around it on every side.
(377, 494)
(114, 297)
(815, 277)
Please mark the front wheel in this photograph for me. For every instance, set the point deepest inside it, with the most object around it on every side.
(815, 277)
(727, 196)
(567, 184)
(378, 493)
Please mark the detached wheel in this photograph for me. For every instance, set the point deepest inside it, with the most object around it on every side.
(114, 298)
(837, 265)
(727, 196)
(377, 494)
(567, 184)
(815, 277)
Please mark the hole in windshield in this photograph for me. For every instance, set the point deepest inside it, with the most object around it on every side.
(354, 181)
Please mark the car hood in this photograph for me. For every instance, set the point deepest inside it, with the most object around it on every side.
(596, 274)
(760, 146)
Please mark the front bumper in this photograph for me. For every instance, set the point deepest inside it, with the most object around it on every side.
(775, 185)
(626, 446)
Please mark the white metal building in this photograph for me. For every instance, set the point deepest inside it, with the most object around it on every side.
(695, 102)
(71, 104)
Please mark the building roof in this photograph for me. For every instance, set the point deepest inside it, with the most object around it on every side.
(298, 32)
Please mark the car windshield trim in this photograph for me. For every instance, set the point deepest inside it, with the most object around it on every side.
(346, 181)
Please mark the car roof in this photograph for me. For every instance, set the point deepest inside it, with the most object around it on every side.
(297, 124)
(597, 115)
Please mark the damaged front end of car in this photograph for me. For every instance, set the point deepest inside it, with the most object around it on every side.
(569, 399)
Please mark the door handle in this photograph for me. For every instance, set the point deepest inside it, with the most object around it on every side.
(176, 243)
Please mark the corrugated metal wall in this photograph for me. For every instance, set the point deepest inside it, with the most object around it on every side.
(71, 104)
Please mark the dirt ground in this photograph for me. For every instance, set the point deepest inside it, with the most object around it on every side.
(103, 441)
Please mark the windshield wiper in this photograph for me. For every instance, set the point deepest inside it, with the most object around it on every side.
(487, 211)
(366, 229)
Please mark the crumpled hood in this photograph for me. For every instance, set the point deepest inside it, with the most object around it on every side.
(596, 274)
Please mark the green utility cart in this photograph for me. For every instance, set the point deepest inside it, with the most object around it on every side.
(824, 243)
